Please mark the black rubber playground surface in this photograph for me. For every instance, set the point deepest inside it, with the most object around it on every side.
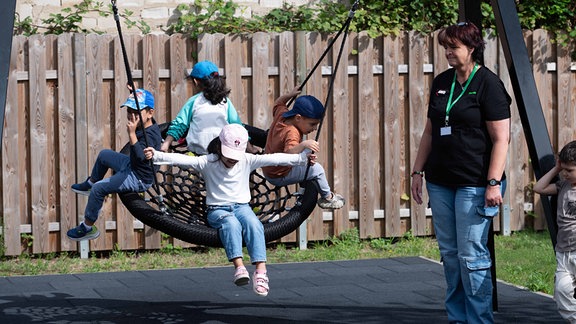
(395, 290)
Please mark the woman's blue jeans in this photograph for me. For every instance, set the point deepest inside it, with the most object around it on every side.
(461, 225)
(237, 222)
(123, 180)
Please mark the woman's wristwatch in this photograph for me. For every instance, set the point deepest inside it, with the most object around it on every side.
(493, 182)
(420, 173)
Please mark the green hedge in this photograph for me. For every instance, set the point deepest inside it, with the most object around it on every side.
(377, 17)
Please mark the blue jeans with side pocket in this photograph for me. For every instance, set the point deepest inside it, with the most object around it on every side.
(237, 222)
(461, 224)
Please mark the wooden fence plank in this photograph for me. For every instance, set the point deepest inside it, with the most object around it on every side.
(179, 65)
(341, 136)
(66, 138)
(262, 115)
(98, 125)
(566, 113)
(39, 133)
(51, 110)
(151, 80)
(367, 133)
(517, 153)
(13, 149)
(81, 120)
(233, 73)
(392, 134)
(516, 216)
(418, 108)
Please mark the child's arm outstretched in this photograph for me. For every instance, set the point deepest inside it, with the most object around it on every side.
(545, 186)
(159, 157)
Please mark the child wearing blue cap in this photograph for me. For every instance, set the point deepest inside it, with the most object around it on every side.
(204, 114)
(286, 136)
(133, 173)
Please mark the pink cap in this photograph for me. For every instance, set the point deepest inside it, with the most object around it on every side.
(234, 139)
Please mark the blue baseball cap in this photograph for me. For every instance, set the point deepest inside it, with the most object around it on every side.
(203, 70)
(145, 100)
(307, 106)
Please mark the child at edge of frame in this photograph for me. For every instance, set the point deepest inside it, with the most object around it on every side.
(561, 181)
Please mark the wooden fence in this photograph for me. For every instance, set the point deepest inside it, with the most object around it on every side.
(64, 93)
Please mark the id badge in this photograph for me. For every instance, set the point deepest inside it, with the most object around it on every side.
(444, 131)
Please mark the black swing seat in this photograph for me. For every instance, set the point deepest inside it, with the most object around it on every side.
(176, 204)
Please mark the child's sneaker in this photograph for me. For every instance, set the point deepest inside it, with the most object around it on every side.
(335, 202)
(260, 284)
(81, 233)
(241, 276)
(82, 188)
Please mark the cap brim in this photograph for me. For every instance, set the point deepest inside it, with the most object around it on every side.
(289, 113)
(231, 153)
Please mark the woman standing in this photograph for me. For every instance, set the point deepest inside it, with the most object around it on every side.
(462, 154)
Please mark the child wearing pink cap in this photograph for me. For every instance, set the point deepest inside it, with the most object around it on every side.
(226, 172)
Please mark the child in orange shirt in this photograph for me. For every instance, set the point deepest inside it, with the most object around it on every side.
(285, 136)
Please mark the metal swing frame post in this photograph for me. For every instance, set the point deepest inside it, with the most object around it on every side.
(7, 24)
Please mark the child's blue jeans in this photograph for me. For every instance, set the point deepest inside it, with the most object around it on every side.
(237, 222)
(123, 180)
(296, 175)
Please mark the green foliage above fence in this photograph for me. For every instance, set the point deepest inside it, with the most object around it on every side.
(376, 17)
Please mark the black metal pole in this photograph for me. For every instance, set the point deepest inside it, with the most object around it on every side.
(527, 99)
(7, 24)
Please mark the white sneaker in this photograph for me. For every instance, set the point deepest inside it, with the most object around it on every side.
(336, 202)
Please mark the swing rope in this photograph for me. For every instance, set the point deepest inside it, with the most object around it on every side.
(133, 92)
(345, 28)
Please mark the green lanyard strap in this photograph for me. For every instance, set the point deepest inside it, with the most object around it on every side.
(451, 103)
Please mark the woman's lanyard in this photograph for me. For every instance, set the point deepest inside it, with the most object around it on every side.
(446, 130)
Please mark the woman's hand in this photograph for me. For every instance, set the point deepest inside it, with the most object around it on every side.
(493, 196)
(416, 188)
